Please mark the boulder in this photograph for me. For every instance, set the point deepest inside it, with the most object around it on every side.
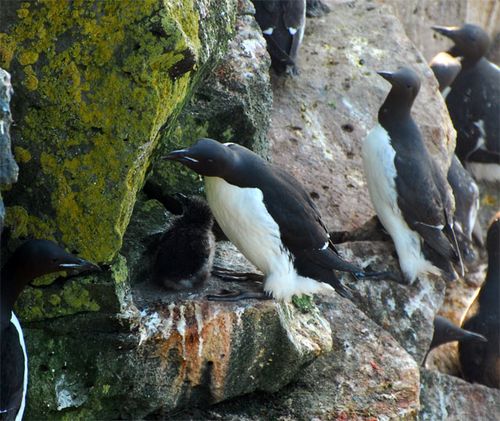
(8, 166)
(366, 376)
(95, 84)
(405, 311)
(321, 117)
(233, 104)
(446, 397)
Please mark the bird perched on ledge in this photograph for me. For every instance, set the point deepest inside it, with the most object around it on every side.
(270, 218)
(474, 101)
(32, 259)
(186, 250)
(480, 362)
(282, 23)
(409, 193)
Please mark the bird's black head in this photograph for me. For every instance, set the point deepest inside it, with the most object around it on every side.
(405, 86)
(470, 41)
(493, 236)
(206, 157)
(405, 83)
(36, 258)
(445, 68)
(32, 259)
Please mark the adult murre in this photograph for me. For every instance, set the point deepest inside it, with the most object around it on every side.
(408, 191)
(465, 190)
(282, 23)
(474, 101)
(32, 259)
(480, 362)
(269, 217)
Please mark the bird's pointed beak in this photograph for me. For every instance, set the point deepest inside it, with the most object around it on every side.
(447, 31)
(386, 75)
(78, 266)
(181, 155)
(472, 337)
(176, 155)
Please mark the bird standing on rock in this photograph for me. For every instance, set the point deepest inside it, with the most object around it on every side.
(270, 218)
(480, 362)
(186, 250)
(32, 259)
(474, 101)
(282, 23)
(408, 191)
(465, 190)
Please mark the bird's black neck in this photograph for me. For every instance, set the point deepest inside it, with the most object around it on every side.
(10, 288)
(394, 109)
(490, 291)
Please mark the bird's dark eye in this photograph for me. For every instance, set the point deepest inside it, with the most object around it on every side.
(408, 86)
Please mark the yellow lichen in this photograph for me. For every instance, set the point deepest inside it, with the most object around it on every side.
(22, 155)
(106, 93)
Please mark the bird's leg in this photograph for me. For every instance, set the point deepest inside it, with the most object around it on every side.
(232, 296)
(231, 276)
(390, 275)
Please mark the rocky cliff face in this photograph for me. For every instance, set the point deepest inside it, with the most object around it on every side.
(102, 93)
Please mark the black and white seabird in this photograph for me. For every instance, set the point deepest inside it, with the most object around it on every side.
(282, 23)
(186, 250)
(445, 331)
(466, 193)
(270, 218)
(465, 190)
(474, 102)
(409, 192)
(32, 259)
(480, 362)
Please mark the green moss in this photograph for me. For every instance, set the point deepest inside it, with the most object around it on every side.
(22, 155)
(304, 303)
(100, 75)
(76, 296)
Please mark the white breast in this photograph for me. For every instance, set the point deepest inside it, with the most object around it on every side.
(380, 172)
(17, 325)
(242, 215)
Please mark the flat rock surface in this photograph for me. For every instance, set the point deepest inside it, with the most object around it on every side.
(446, 397)
(321, 116)
(367, 374)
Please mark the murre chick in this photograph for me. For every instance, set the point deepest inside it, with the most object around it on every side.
(32, 259)
(465, 190)
(185, 252)
(480, 362)
(282, 23)
(474, 101)
(446, 331)
(408, 191)
(270, 218)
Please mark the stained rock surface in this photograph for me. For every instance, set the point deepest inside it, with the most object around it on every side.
(367, 374)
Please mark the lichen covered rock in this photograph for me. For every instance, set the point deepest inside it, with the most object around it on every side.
(232, 104)
(95, 83)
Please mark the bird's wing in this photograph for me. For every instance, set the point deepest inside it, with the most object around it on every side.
(294, 20)
(422, 204)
